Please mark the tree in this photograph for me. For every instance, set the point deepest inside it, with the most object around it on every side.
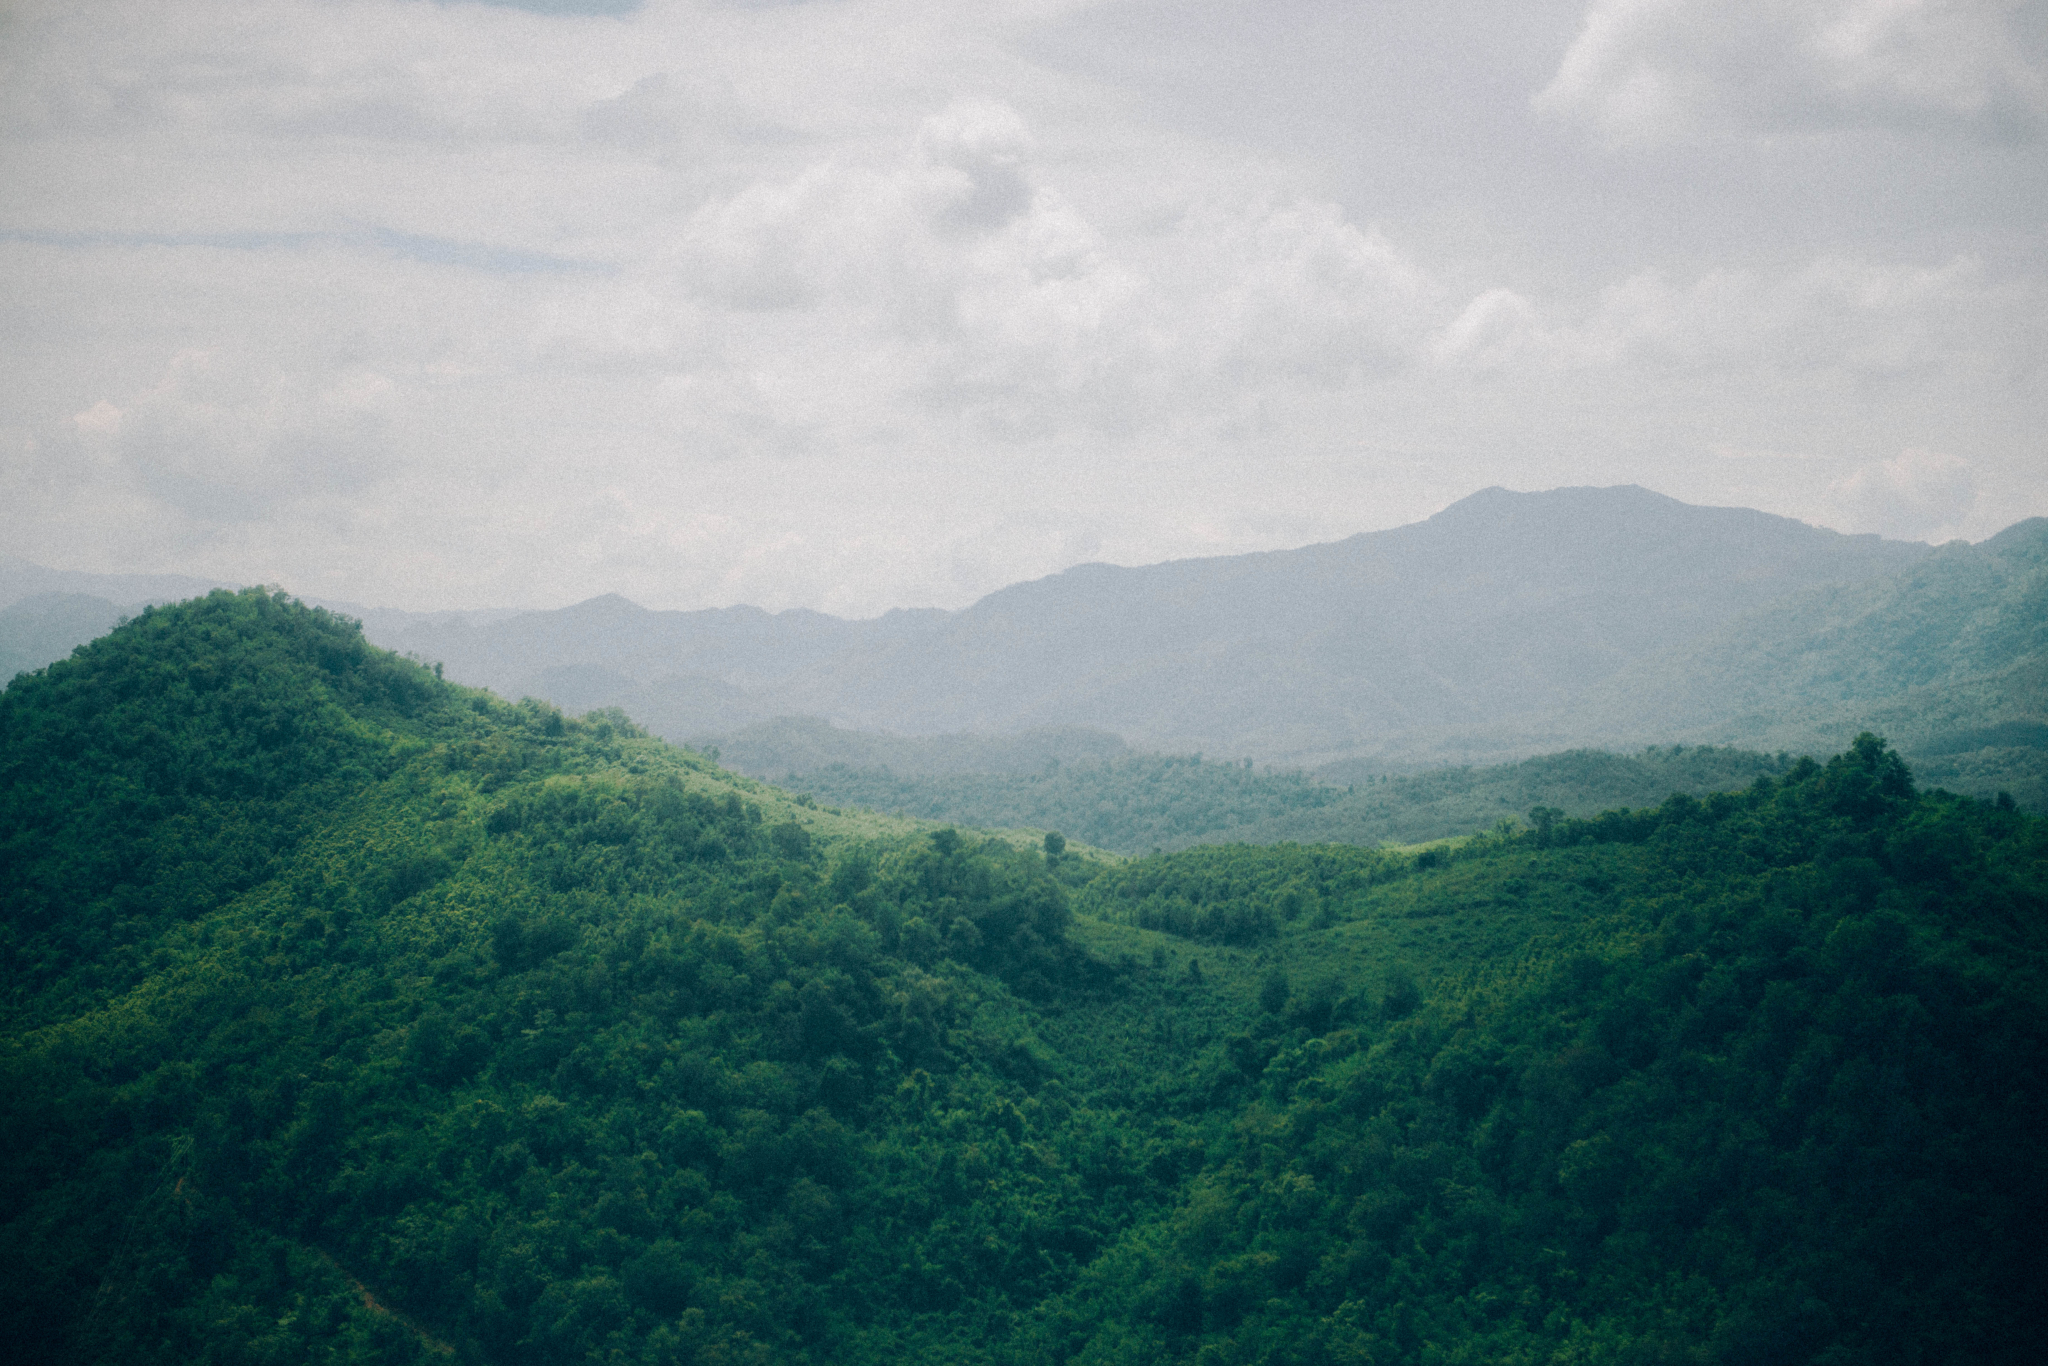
(1273, 992)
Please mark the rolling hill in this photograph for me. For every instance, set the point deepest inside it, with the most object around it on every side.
(1133, 803)
(349, 1015)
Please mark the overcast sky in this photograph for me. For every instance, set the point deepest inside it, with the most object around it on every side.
(860, 304)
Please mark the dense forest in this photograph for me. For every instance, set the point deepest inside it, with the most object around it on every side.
(1139, 803)
(349, 1014)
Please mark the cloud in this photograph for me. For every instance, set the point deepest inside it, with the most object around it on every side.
(1865, 318)
(1497, 329)
(211, 444)
(357, 73)
(949, 270)
(1916, 495)
(988, 147)
(1307, 294)
(1644, 72)
(675, 117)
(975, 286)
(863, 304)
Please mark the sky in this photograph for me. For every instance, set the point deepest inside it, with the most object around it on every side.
(862, 304)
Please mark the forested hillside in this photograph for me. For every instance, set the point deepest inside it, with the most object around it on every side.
(320, 969)
(802, 744)
(1751, 1079)
(353, 1015)
(1137, 803)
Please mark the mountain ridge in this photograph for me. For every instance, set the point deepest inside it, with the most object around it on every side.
(1508, 624)
(1381, 624)
(1495, 606)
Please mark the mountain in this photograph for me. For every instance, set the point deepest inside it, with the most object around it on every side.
(726, 661)
(1506, 626)
(19, 579)
(351, 1015)
(277, 901)
(47, 613)
(1502, 605)
(1463, 634)
(47, 626)
(1949, 657)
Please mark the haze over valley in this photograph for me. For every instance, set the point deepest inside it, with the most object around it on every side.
(1508, 625)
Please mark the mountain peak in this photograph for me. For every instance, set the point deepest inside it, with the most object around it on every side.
(1607, 500)
(606, 605)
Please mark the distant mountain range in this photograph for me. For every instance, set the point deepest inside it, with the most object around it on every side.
(1507, 625)
(1501, 610)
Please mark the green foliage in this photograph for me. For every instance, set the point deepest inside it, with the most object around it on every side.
(175, 764)
(551, 1052)
(1771, 1097)
(353, 1016)
(1239, 894)
(1691, 1083)
(1129, 803)
(1144, 802)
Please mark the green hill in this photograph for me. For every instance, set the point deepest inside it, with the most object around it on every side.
(1134, 803)
(353, 1015)
(804, 744)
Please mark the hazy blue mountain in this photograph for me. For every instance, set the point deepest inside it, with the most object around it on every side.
(395, 623)
(1509, 624)
(1486, 618)
(46, 613)
(742, 646)
(1948, 657)
(48, 626)
(1959, 614)
(1504, 604)
(19, 579)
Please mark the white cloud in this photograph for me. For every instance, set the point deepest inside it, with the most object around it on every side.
(671, 115)
(862, 304)
(396, 73)
(1306, 293)
(954, 275)
(1915, 495)
(988, 148)
(1861, 317)
(212, 443)
(1497, 329)
(1650, 71)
